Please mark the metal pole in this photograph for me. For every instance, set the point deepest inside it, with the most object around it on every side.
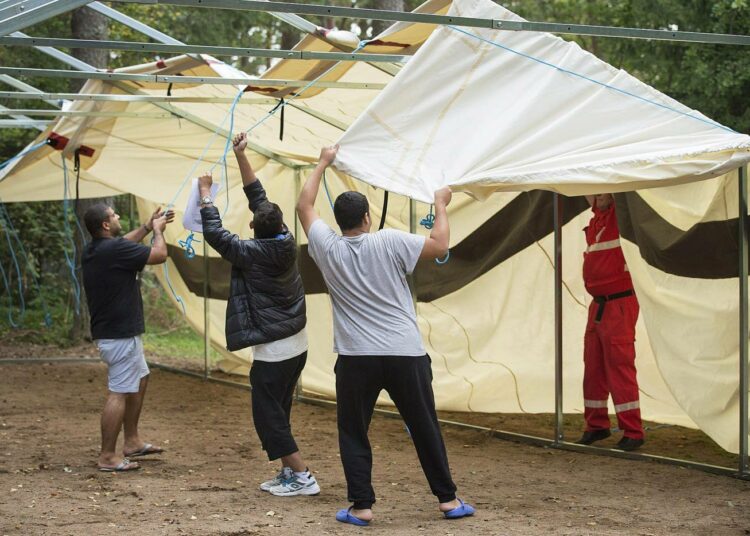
(297, 229)
(743, 273)
(413, 229)
(206, 321)
(557, 214)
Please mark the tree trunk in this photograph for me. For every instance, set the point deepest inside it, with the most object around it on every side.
(389, 5)
(85, 24)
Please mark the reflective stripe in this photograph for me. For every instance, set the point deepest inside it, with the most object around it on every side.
(619, 408)
(600, 246)
(595, 403)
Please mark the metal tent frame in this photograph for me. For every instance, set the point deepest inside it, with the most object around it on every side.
(19, 14)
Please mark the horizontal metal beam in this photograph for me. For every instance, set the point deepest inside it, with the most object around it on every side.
(57, 102)
(87, 113)
(135, 24)
(23, 123)
(61, 56)
(192, 118)
(170, 79)
(201, 49)
(108, 97)
(37, 12)
(469, 22)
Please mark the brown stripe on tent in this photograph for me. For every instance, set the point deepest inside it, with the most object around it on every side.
(708, 250)
(523, 221)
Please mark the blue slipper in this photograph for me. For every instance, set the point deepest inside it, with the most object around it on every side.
(344, 516)
(464, 510)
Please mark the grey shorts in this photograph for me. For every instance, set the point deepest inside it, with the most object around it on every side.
(125, 361)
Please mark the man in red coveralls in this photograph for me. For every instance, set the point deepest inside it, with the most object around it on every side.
(609, 343)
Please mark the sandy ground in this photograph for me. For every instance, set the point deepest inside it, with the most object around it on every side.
(207, 481)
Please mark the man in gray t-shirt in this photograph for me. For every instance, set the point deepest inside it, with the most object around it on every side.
(377, 337)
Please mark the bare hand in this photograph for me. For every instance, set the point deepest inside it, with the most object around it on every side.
(205, 182)
(239, 142)
(328, 155)
(443, 196)
(160, 223)
(169, 214)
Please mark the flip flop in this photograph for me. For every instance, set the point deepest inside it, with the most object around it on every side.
(464, 510)
(147, 449)
(345, 516)
(124, 465)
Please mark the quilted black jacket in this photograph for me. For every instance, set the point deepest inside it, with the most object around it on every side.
(266, 297)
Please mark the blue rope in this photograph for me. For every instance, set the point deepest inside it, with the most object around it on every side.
(428, 221)
(203, 153)
(6, 220)
(169, 284)
(69, 235)
(187, 244)
(10, 297)
(325, 187)
(583, 77)
(28, 150)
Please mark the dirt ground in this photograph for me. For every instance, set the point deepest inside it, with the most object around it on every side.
(206, 483)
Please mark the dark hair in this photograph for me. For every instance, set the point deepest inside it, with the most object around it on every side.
(94, 217)
(268, 220)
(350, 209)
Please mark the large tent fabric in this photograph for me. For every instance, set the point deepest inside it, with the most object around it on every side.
(486, 316)
(484, 110)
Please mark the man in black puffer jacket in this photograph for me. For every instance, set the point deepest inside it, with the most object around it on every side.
(266, 310)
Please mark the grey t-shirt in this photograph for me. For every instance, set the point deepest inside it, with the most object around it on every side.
(373, 312)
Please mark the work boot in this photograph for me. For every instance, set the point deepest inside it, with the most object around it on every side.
(589, 436)
(629, 443)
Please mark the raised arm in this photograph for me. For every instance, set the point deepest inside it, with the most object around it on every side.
(158, 253)
(138, 234)
(306, 202)
(246, 170)
(437, 244)
(228, 245)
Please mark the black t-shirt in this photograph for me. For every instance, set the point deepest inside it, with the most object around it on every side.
(113, 290)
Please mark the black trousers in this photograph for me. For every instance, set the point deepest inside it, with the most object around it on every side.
(273, 386)
(408, 381)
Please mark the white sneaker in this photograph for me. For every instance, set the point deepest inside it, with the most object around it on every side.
(285, 473)
(296, 485)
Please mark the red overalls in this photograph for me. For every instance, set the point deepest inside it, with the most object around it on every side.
(609, 343)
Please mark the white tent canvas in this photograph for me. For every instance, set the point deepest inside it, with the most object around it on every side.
(485, 110)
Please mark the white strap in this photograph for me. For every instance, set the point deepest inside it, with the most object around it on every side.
(619, 408)
(601, 246)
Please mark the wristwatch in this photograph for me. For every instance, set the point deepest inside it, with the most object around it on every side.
(206, 200)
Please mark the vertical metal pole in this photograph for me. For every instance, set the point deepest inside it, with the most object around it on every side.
(743, 269)
(297, 231)
(132, 212)
(558, 217)
(206, 321)
(413, 229)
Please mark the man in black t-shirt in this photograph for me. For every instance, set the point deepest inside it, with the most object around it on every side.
(110, 276)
